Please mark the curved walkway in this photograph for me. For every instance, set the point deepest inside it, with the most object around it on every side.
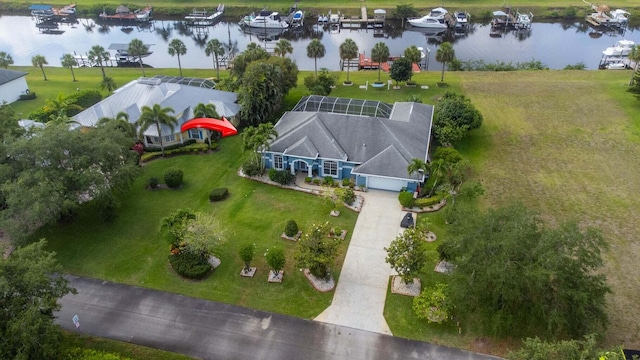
(361, 292)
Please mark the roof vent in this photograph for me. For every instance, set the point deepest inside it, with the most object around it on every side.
(149, 81)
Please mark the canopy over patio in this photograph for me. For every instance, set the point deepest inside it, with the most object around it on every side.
(223, 126)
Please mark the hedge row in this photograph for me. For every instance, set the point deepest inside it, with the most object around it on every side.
(189, 149)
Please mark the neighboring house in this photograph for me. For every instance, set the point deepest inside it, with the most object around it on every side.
(369, 141)
(180, 94)
(12, 85)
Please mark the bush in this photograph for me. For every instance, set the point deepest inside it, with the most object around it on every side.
(281, 177)
(153, 182)
(406, 199)
(173, 178)
(328, 180)
(346, 182)
(190, 265)
(252, 168)
(275, 258)
(316, 181)
(218, 194)
(424, 202)
(307, 179)
(348, 196)
(29, 96)
(291, 229)
(247, 253)
(154, 148)
(86, 98)
(150, 156)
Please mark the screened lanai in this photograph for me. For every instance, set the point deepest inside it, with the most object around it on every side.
(317, 103)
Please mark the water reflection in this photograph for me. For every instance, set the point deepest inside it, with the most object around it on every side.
(554, 44)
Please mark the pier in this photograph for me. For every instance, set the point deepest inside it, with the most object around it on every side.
(365, 63)
(364, 21)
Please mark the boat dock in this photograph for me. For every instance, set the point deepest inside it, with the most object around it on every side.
(377, 21)
(365, 63)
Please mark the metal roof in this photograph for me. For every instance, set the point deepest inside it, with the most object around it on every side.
(10, 75)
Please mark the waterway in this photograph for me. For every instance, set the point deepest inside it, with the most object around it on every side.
(554, 44)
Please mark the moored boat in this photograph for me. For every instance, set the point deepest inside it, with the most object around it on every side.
(622, 48)
(123, 13)
(266, 20)
(434, 20)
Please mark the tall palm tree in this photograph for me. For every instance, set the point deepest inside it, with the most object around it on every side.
(177, 47)
(416, 166)
(348, 51)
(137, 49)
(413, 54)
(69, 61)
(62, 104)
(100, 56)
(5, 59)
(445, 54)
(380, 54)
(315, 50)
(634, 55)
(283, 47)
(205, 111)
(157, 115)
(258, 138)
(40, 61)
(214, 48)
(108, 84)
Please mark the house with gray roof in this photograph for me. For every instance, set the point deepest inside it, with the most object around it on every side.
(180, 94)
(368, 141)
(12, 85)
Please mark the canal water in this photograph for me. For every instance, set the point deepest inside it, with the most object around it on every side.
(554, 44)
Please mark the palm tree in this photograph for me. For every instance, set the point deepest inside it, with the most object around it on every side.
(136, 49)
(283, 47)
(214, 47)
(416, 166)
(413, 54)
(69, 61)
(177, 47)
(121, 122)
(100, 56)
(108, 84)
(61, 118)
(258, 138)
(205, 111)
(348, 51)
(40, 61)
(62, 104)
(159, 116)
(634, 55)
(444, 55)
(315, 50)
(380, 54)
(5, 59)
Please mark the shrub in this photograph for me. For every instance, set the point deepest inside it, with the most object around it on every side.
(348, 196)
(424, 202)
(291, 229)
(86, 98)
(316, 181)
(281, 177)
(29, 96)
(328, 180)
(153, 148)
(218, 194)
(153, 182)
(307, 179)
(346, 182)
(150, 156)
(252, 168)
(406, 199)
(190, 265)
(275, 258)
(247, 252)
(173, 178)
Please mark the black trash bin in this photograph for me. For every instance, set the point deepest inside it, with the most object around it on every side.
(407, 221)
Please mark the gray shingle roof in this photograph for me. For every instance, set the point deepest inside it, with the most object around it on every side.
(181, 98)
(10, 75)
(379, 146)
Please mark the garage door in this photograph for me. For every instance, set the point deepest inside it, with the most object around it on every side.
(381, 183)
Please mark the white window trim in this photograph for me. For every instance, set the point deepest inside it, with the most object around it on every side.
(324, 168)
(275, 162)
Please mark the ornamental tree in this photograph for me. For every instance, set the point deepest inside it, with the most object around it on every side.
(317, 251)
(407, 254)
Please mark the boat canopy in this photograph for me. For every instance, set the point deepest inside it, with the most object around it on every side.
(40, 7)
(223, 126)
(379, 11)
(499, 13)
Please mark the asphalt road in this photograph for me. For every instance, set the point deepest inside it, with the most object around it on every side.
(211, 330)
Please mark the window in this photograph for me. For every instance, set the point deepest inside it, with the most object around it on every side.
(170, 138)
(330, 168)
(194, 134)
(277, 162)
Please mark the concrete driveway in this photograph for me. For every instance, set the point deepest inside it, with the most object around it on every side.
(360, 295)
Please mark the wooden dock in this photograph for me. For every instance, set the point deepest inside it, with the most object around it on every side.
(365, 63)
(364, 21)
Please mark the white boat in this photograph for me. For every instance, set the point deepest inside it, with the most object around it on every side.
(605, 17)
(297, 18)
(523, 21)
(422, 53)
(334, 18)
(434, 20)
(621, 48)
(461, 18)
(322, 18)
(266, 20)
(616, 66)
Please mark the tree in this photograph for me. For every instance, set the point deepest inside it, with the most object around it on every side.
(418, 167)
(69, 61)
(401, 70)
(45, 178)
(242, 61)
(380, 54)
(634, 55)
(445, 54)
(30, 285)
(257, 139)
(517, 276)
(215, 49)
(100, 56)
(536, 349)
(175, 225)
(177, 48)
(205, 111)
(203, 235)
(137, 49)
(455, 116)
(317, 252)
(406, 254)
(108, 84)
(315, 50)
(62, 105)
(348, 51)
(404, 11)
(5, 59)
(283, 47)
(260, 94)
(158, 116)
(247, 252)
(275, 259)
(413, 54)
(40, 61)
(432, 304)
(289, 71)
(121, 123)
(321, 84)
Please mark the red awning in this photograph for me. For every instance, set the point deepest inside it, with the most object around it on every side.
(222, 126)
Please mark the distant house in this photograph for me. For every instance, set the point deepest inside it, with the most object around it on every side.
(180, 94)
(369, 141)
(12, 85)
